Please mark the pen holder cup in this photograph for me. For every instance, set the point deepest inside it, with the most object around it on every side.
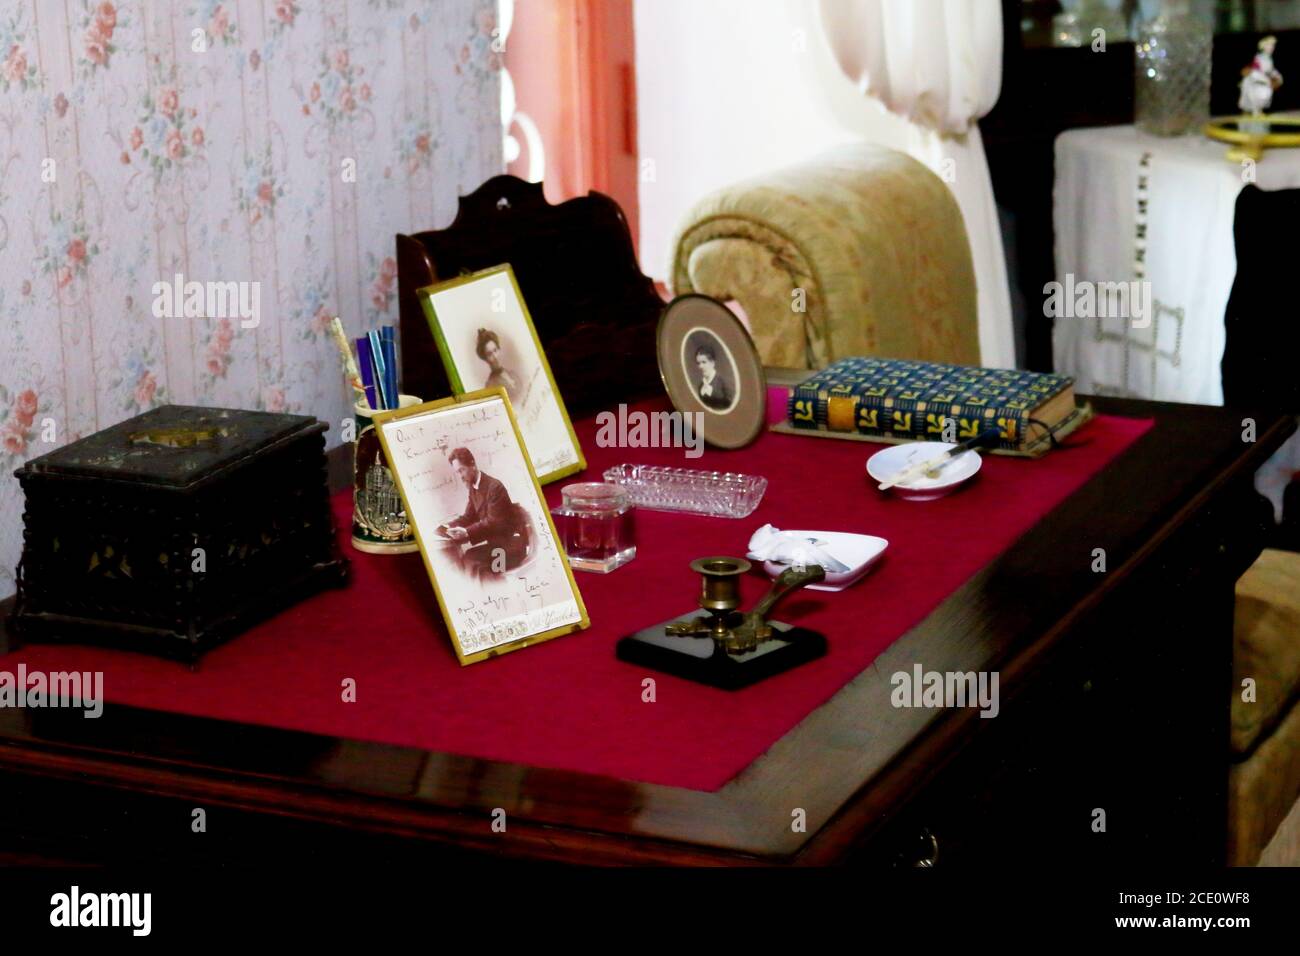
(379, 522)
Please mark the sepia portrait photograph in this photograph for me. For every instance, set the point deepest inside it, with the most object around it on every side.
(483, 527)
(486, 339)
(711, 370)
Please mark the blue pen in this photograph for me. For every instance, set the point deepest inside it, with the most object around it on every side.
(381, 369)
(389, 341)
(367, 372)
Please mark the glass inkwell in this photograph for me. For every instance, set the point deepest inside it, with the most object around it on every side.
(595, 526)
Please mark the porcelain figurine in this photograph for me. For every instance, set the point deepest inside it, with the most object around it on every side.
(1260, 79)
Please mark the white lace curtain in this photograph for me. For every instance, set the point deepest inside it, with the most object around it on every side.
(938, 64)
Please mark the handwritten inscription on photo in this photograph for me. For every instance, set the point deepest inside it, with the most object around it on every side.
(487, 340)
(484, 528)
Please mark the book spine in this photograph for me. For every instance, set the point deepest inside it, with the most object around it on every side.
(819, 410)
(805, 409)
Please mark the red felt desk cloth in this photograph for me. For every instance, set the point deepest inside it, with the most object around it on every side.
(568, 703)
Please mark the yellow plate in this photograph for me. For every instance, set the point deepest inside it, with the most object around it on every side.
(1250, 143)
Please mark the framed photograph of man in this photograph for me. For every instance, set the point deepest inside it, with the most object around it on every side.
(711, 369)
(483, 528)
(487, 340)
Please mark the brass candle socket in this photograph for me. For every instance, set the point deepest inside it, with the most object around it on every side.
(720, 578)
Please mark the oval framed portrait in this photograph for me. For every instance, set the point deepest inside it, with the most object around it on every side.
(709, 366)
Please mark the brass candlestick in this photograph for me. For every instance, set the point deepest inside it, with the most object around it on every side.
(726, 647)
(732, 631)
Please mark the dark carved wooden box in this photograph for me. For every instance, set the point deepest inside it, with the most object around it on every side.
(175, 530)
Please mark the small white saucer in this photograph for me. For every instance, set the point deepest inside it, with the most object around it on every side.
(859, 551)
(888, 462)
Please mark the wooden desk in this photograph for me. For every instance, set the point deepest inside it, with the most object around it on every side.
(1114, 696)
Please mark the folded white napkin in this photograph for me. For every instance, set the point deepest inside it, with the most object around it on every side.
(771, 544)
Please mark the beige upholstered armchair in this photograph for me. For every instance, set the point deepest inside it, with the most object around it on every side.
(1264, 776)
(858, 251)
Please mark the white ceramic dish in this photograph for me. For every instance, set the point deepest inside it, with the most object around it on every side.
(888, 462)
(859, 551)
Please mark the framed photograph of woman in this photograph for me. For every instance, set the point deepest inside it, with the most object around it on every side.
(714, 386)
(484, 531)
(487, 340)
(710, 367)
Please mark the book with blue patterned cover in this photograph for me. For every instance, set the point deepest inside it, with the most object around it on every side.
(895, 400)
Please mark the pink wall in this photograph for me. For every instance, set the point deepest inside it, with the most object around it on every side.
(573, 66)
(128, 156)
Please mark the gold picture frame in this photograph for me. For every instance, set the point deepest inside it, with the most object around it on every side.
(412, 439)
(694, 322)
(554, 448)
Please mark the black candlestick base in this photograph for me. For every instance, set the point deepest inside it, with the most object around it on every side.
(700, 660)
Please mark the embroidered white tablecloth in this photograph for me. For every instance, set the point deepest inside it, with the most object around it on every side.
(1133, 207)
(1129, 206)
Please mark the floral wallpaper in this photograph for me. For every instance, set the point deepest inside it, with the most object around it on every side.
(275, 144)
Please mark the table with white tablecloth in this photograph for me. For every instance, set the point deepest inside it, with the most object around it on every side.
(1129, 207)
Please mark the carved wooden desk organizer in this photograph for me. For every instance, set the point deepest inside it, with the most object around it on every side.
(595, 311)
